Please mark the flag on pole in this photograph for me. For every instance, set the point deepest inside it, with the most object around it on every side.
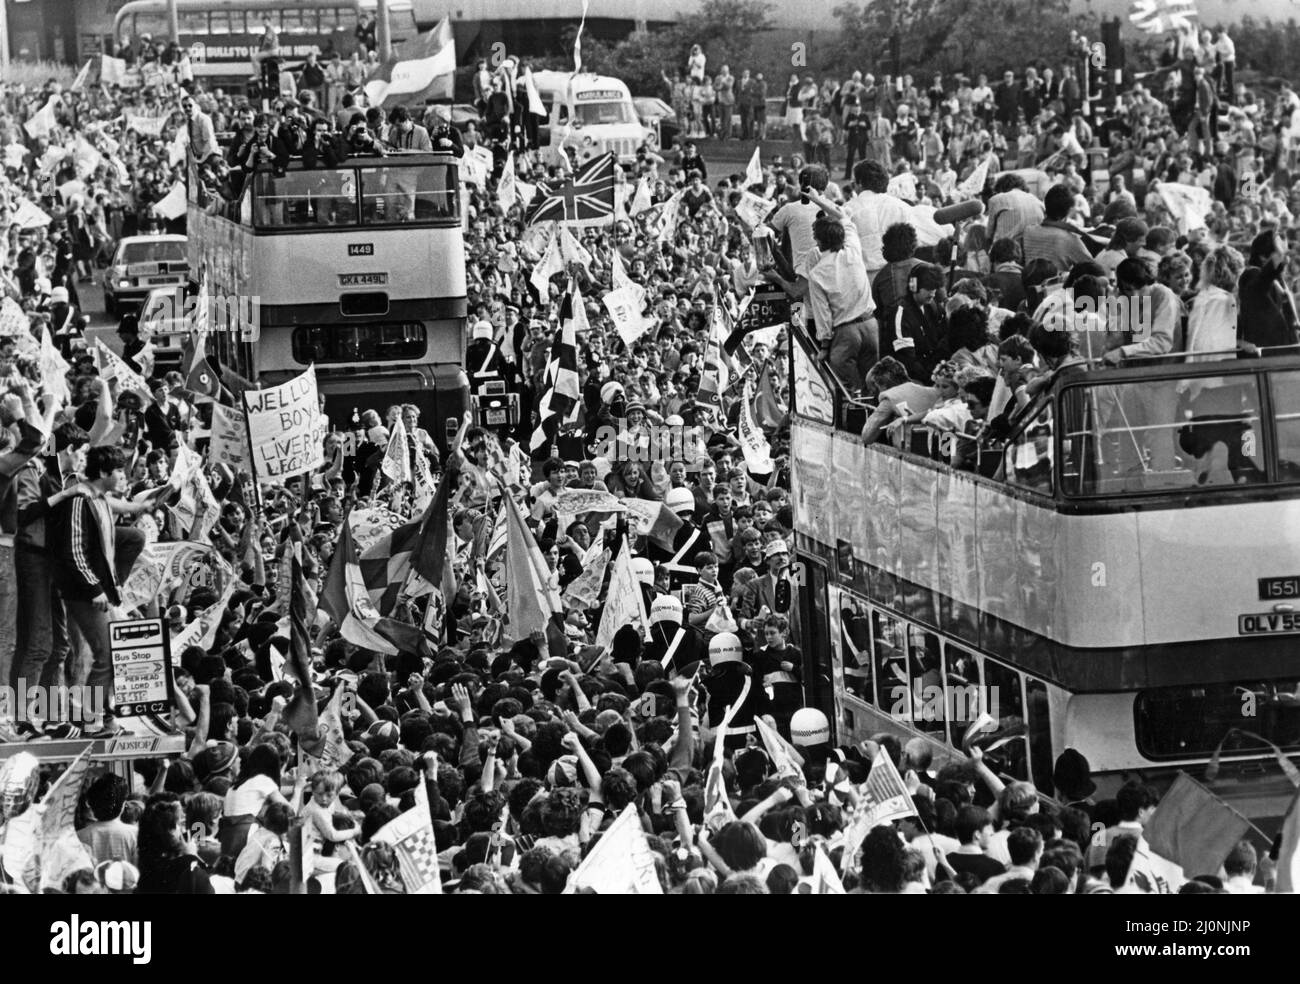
(621, 863)
(330, 750)
(561, 396)
(60, 850)
(641, 199)
(362, 588)
(754, 171)
(300, 714)
(670, 215)
(624, 602)
(531, 598)
(430, 555)
(973, 186)
(112, 367)
(586, 200)
(551, 263)
(412, 839)
(785, 758)
(577, 38)
(396, 465)
(80, 81)
(884, 798)
(200, 377)
(1159, 16)
(422, 68)
(1193, 828)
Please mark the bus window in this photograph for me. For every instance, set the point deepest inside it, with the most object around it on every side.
(1185, 722)
(855, 648)
(1286, 409)
(345, 18)
(300, 198)
(928, 697)
(360, 343)
(893, 690)
(963, 691)
(227, 22)
(193, 22)
(1005, 748)
(1160, 434)
(396, 194)
(1040, 733)
(1028, 457)
(300, 21)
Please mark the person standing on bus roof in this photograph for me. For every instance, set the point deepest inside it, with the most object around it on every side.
(199, 132)
(405, 134)
(269, 47)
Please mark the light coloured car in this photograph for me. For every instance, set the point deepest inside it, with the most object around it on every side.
(141, 264)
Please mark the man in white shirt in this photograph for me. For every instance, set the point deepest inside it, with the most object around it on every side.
(1025, 847)
(795, 217)
(839, 295)
(873, 211)
(1225, 52)
(1149, 873)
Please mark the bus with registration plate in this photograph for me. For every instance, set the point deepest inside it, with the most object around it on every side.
(1122, 578)
(358, 270)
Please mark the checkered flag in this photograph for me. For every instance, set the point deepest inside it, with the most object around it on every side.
(412, 839)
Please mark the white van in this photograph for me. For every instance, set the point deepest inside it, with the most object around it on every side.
(591, 113)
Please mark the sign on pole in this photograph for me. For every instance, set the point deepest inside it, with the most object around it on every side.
(142, 681)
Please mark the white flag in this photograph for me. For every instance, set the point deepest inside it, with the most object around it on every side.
(754, 172)
(758, 453)
(624, 602)
(973, 186)
(43, 120)
(507, 194)
(397, 458)
(621, 863)
(640, 198)
(172, 205)
(548, 266)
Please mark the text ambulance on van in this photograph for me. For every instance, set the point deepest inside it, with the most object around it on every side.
(591, 113)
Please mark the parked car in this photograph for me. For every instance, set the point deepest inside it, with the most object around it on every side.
(658, 118)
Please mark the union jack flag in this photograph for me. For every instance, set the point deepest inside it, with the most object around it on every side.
(587, 200)
(562, 397)
(1159, 16)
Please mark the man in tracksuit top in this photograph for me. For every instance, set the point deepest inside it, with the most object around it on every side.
(89, 554)
(918, 332)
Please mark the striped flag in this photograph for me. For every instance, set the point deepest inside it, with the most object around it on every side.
(412, 839)
(330, 750)
(586, 200)
(561, 398)
(1159, 16)
(884, 798)
(420, 69)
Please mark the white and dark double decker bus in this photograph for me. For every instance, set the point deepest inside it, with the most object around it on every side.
(358, 270)
(1126, 583)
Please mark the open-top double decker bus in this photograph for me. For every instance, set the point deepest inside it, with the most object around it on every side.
(1127, 583)
(358, 270)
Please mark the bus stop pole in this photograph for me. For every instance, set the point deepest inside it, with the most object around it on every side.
(383, 35)
(173, 22)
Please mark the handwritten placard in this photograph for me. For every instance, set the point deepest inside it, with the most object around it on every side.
(286, 429)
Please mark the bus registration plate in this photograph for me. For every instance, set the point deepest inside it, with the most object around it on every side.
(1279, 587)
(1268, 623)
(362, 279)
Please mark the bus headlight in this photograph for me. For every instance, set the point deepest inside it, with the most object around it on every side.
(124, 283)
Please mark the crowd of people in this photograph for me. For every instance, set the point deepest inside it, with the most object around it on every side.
(653, 665)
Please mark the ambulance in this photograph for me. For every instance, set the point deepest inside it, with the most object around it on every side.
(593, 114)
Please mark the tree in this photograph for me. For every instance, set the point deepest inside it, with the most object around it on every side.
(725, 29)
(957, 35)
